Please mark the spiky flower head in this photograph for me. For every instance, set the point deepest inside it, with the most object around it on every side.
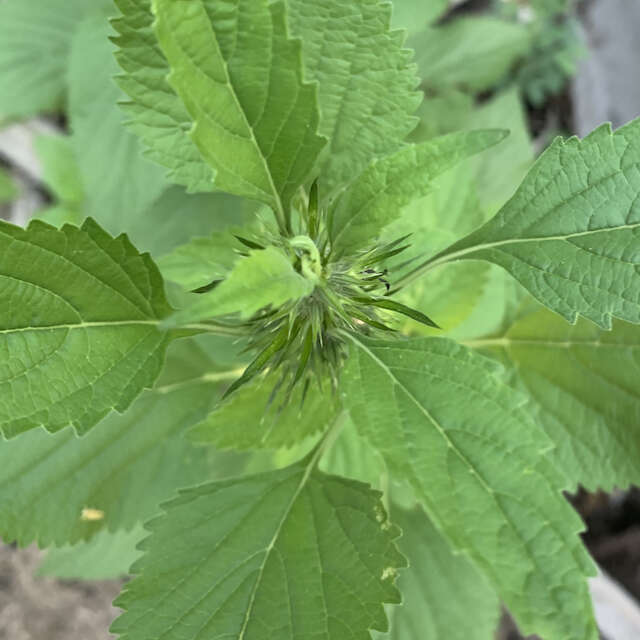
(305, 338)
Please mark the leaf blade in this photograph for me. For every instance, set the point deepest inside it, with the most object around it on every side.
(291, 563)
(571, 233)
(473, 471)
(75, 297)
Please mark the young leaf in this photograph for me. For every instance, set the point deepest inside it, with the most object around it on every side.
(121, 470)
(571, 233)
(156, 112)
(287, 554)
(239, 76)
(78, 326)
(118, 182)
(366, 81)
(35, 38)
(264, 278)
(377, 196)
(583, 382)
(445, 421)
(251, 418)
(444, 595)
(201, 260)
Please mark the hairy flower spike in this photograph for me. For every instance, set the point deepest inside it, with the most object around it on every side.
(304, 337)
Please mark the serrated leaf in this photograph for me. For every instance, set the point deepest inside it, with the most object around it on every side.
(35, 38)
(60, 169)
(79, 319)
(157, 114)
(444, 595)
(106, 556)
(57, 489)
(265, 277)
(239, 76)
(366, 81)
(376, 197)
(445, 421)
(258, 416)
(571, 233)
(472, 53)
(288, 554)
(118, 182)
(583, 384)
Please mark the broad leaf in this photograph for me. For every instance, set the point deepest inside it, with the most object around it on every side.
(583, 381)
(120, 471)
(35, 38)
(266, 277)
(376, 197)
(366, 81)
(106, 556)
(473, 53)
(288, 554)
(260, 416)
(239, 76)
(444, 595)
(157, 114)
(445, 421)
(78, 326)
(571, 233)
(118, 182)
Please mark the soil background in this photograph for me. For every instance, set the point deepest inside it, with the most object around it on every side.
(605, 88)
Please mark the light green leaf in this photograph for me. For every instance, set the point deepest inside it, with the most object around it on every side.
(472, 53)
(499, 172)
(366, 81)
(105, 557)
(176, 217)
(583, 381)
(415, 15)
(79, 319)
(239, 76)
(35, 38)
(288, 554)
(266, 277)
(377, 196)
(156, 113)
(258, 416)
(444, 420)
(444, 595)
(8, 189)
(571, 233)
(60, 169)
(60, 488)
(201, 260)
(118, 182)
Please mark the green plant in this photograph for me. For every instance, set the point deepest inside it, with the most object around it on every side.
(286, 372)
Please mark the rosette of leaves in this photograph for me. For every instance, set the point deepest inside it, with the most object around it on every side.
(253, 420)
